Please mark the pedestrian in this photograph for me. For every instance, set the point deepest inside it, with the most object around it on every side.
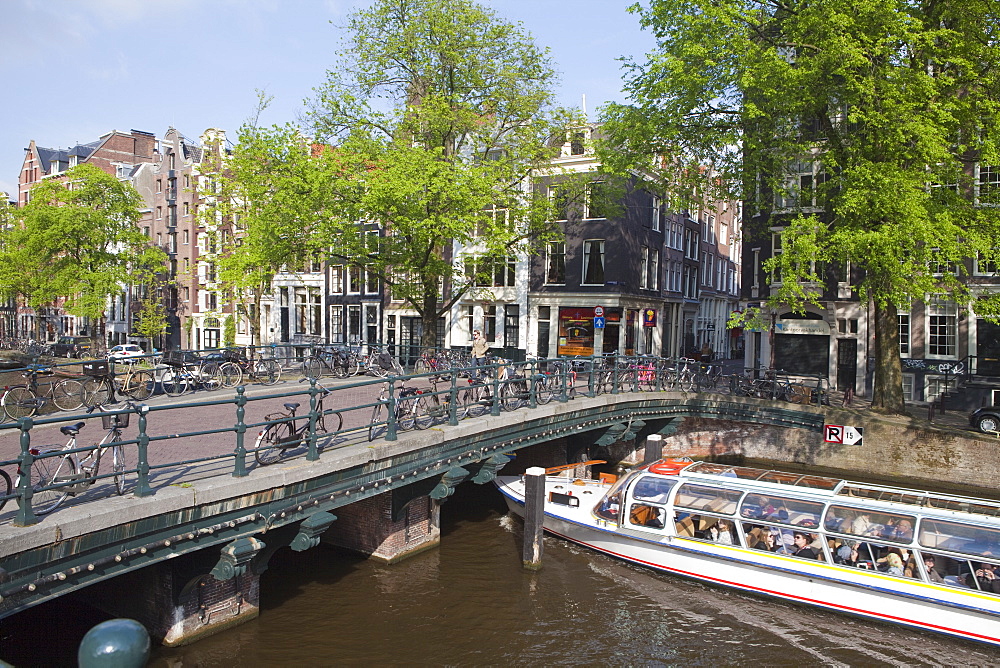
(706, 352)
(480, 350)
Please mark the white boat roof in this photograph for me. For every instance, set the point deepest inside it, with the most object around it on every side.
(837, 489)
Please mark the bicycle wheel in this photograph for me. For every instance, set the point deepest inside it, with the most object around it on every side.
(5, 488)
(405, 413)
(544, 392)
(67, 394)
(353, 365)
(339, 368)
(208, 374)
(268, 372)
(647, 379)
(376, 423)
(118, 467)
(96, 392)
(468, 403)
(175, 382)
(312, 368)
(138, 385)
(510, 395)
(422, 418)
(268, 447)
(685, 382)
(45, 473)
(230, 374)
(421, 366)
(19, 402)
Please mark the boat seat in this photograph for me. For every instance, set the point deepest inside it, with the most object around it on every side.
(756, 537)
(685, 527)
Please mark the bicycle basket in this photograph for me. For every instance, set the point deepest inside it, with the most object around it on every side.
(111, 421)
(174, 358)
(234, 355)
(95, 368)
(385, 361)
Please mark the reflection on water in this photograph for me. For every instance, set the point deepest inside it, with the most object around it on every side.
(470, 602)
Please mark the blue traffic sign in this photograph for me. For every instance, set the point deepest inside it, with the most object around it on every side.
(598, 322)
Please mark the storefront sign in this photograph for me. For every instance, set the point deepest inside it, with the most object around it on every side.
(649, 317)
(820, 327)
(576, 331)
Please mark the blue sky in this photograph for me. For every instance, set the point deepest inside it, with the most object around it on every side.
(76, 69)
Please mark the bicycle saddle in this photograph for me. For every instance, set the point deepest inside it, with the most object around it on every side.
(291, 406)
(72, 429)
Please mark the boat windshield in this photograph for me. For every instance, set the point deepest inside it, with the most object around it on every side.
(610, 506)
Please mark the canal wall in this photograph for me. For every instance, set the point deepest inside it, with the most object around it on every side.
(898, 448)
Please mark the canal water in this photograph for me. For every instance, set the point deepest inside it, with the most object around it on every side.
(470, 603)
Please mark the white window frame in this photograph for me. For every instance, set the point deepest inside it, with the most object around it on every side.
(588, 257)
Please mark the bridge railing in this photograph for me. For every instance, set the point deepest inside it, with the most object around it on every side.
(160, 454)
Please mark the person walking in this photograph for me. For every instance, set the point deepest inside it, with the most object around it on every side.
(480, 350)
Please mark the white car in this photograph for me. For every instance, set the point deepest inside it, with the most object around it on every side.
(127, 352)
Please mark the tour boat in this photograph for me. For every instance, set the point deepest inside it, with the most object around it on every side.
(919, 559)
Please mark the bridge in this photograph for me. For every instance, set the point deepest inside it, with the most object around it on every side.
(197, 527)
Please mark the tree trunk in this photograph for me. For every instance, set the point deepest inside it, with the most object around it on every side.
(429, 317)
(887, 393)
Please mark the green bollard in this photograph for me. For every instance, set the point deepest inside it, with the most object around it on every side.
(116, 643)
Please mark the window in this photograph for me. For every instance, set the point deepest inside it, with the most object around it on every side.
(469, 323)
(942, 326)
(353, 280)
(308, 318)
(593, 262)
(337, 279)
(544, 314)
(490, 323)
(159, 185)
(985, 267)
(989, 184)
(560, 202)
(354, 323)
(576, 143)
(655, 223)
(800, 187)
(903, 317)
(511, 325)
(187, 237)
(644, 268)
(598, 200)
(654, 269)
(159, 213)
(555, 263)
(211, 301)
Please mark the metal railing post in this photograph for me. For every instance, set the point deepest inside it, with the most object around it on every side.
(240, 465)
(25, 516)
(615, 380)
(453, 400)
(313, 450)
(495, 405)
(590, 377)
(142, 487)
(390, 420)
(531, 373)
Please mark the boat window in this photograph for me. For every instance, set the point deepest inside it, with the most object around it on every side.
(609, 506)
(646, 515)
(795, 512)
(705, 527)
(744, 472)
(712, 499)
(964, 573)
(782, 540)
(955, 537)
(895, 527)
(653, 488)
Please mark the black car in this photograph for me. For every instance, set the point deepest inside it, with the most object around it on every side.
(71, 346)
(986, 419)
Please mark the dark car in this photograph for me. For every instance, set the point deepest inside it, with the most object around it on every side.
(71, 346)
(986, 419)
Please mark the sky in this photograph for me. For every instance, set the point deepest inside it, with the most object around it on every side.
(77, 69)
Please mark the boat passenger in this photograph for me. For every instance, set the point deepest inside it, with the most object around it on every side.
(932, 573)
(988, 578)
(802, 546)
(847, 554)
(720, 532)
(903, 532)
(893, 564)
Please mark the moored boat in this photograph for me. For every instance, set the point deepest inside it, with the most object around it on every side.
(919, 559)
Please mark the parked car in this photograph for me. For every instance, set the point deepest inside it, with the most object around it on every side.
(986, 419)
(126, 352)
(71, 346)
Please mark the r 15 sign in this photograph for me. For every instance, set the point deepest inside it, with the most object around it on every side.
(843, 434)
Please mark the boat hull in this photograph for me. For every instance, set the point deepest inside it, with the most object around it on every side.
(869, 594)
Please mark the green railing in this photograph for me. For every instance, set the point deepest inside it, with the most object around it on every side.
(504, 385)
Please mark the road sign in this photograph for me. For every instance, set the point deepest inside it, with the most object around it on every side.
(843, 434)
(598, 322)
(599, 311)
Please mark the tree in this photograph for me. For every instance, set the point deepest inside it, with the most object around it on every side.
(435, 117)
(151, 320)
(77, 239)
(271, 189)
(888, 103)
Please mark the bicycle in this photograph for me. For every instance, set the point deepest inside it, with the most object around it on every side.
(186, 371)
(381, 364)
(102, 388)
(57, 473)
(5, 488)
(680, 377)
(411, 410)
(335, 360)
(264, 370)
(707, 377)
(283, 433)
(25, 400)
(429, 361)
